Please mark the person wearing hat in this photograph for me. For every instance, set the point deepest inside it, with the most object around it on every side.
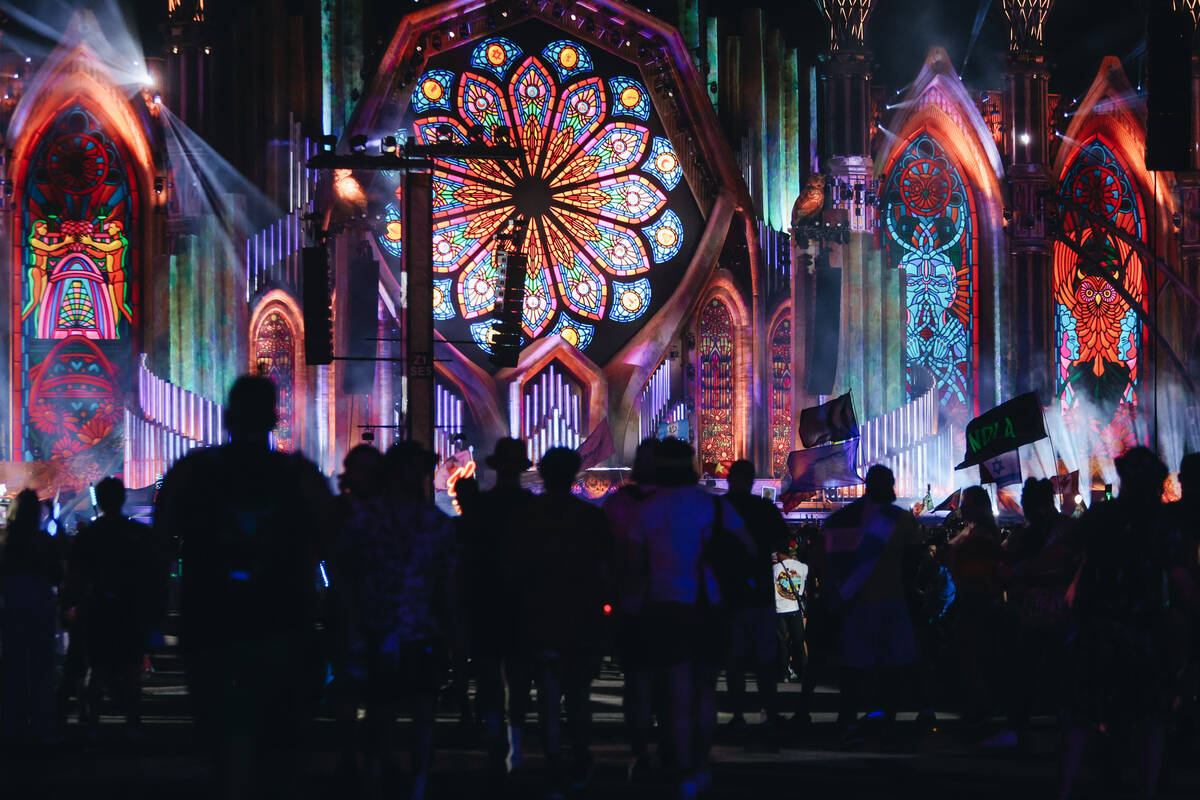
(404, 559)
(488, 601)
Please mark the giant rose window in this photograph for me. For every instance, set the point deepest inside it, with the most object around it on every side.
(612, 222)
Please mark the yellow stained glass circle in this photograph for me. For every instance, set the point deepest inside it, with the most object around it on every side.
(631, 301)
(570, 336)
(496, 55)
(666, 237)
(630, 97)
(666, 162)
(432, 90)
(568, 57)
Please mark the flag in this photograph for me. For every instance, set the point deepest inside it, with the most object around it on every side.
(1002, 470)
(1006, 427)
(824, 467)
(597, 446)
(830, 422)
(951, 503)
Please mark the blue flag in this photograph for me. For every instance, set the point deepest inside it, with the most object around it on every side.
(824, 467)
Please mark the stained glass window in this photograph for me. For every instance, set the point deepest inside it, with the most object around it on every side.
(716, 385)
(77, 206)
(781, 395)
(274, 357)
(932, 234)
(1097, 333)
(601, 185)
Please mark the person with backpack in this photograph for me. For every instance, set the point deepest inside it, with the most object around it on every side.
(122, 575)
(252, 523)
(686, 540)
(753, 639)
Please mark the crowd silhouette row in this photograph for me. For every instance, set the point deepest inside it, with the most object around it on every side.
(291, 596)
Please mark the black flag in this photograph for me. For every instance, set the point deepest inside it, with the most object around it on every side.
(1006, 427)
(831, 422)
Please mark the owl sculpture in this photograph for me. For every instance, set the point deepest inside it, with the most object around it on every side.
(811, 200)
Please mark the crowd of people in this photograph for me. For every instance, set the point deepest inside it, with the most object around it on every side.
(377, 604)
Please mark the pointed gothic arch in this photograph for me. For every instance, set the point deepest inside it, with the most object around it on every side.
(82, 172)
(723, 383)
(1100, 342)
(277, 351)
(940, 174)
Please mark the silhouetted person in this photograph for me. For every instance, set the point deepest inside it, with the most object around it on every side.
(467, 496)
(122, 574)
(361, 483)
(404, 566)
(251, 523)
(754, 641)
(622, 508)
(686, 639)
(869, 542)
(560, 554)
(490, 609)
(29, 574)
(1119, 648)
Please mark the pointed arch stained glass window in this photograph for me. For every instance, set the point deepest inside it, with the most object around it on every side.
(781, 395)
(931, 233)
(716, 385)
(1098, 336)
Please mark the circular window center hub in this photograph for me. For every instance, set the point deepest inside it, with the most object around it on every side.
(532, 196)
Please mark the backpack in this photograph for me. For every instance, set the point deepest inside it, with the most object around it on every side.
(732, 565)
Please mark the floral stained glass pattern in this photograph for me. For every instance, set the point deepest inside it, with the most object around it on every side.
(1098, 335)
(716, 385)
(781, 396)
(594, 183)
(931, 234)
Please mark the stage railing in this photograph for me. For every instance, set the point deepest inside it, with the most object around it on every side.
(166, 423)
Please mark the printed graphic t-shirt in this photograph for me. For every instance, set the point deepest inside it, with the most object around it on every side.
(787, 601)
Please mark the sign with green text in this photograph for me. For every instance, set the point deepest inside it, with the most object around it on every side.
(1006, 427)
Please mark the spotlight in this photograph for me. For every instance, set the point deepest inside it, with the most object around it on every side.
(358, 143)
(1024, 138)
(450, 34)
(158, 99)
(328, 143)
(387, 144)
(160, 184)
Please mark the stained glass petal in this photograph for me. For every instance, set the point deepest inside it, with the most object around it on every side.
(581, 287)
(443, 307)
(616, 249)
(451, 245)
(575, 333)
(630, 300)
(540, 300)
(495, 54)
(482, 103)
(629, 98)
(579, 114)
(663, 163)
(532, 92)
(568, 58)
(618, 148)
(629, 198)
(434, 91)
(392, 237)
(665, 236)
(477, 285)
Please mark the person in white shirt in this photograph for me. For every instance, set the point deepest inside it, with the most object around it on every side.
(790, 577)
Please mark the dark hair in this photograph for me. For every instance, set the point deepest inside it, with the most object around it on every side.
(408, 454)
(881, 484)
(976, 497)
(251, 407)
(676, 463)
(1141, 471)
(24, 517)
(1037, 494)
(1189, 469)
(110, 495)
(558, 468)
(742, 469)
(644, 463)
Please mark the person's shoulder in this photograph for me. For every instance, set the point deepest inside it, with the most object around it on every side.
(847, 515)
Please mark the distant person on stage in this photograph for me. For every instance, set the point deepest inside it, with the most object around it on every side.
(489, 607)
(622, 508)
(122, 576)
(869, 545)
(251, 522)
(682, 537)
(754, 641)
(560, 555)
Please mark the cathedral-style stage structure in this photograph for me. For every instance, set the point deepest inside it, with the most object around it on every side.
(717, 230)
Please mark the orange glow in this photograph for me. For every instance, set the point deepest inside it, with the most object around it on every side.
(465, 471)
(348, 188)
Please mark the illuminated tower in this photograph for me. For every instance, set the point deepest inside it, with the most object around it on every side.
(1028, 327)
